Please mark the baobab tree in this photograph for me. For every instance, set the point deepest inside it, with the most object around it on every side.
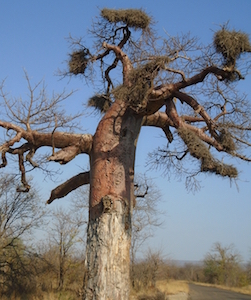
(186, 90)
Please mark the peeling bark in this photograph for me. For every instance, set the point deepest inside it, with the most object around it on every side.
(107, 257)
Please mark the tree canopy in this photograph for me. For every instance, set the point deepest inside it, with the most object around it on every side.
(204, 78)
(157, 72)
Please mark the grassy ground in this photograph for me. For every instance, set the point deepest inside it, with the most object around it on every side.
(46, 296)
(172, 287)
(163, 288)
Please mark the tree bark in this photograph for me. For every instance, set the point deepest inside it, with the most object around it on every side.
(111, 204)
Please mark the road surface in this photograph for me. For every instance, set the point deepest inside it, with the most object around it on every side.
(198, 292)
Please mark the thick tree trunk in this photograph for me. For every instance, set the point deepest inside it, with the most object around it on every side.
(111, 205)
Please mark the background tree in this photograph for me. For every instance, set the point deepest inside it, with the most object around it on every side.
(249, 271)
(65, 236)
(222, 266)
(175, 84)
(145, 217)
(20, 214)
(147, 270)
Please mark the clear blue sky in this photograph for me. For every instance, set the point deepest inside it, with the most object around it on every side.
(33, 36)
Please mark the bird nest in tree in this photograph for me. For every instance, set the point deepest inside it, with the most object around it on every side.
(226, 140)
(134, 18)
(78, 62)
(231, 44)
(100, 102)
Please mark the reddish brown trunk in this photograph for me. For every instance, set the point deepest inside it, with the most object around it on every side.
(111, 204)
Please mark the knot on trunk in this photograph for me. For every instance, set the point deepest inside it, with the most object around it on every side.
(107, 204)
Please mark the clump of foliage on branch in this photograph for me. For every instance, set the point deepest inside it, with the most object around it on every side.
(199, 150)
(134, 18)
(143, 83)
(78, 62)
(231, 44)
(100, 102)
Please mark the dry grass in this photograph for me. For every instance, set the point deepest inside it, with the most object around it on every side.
(64, 295)
(163, 288)
(172, 287)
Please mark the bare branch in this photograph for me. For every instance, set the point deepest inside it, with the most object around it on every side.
(12, 141)
(243, 157)
(161, 120)
(30, 155)
(127, 65)
(198, 109)
(70, 185)
(181, 73)
(25, 188)
(65, 155)
(70, 145)
(162, 91)
(38, 112)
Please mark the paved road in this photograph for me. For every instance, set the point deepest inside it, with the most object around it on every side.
(198, 292)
